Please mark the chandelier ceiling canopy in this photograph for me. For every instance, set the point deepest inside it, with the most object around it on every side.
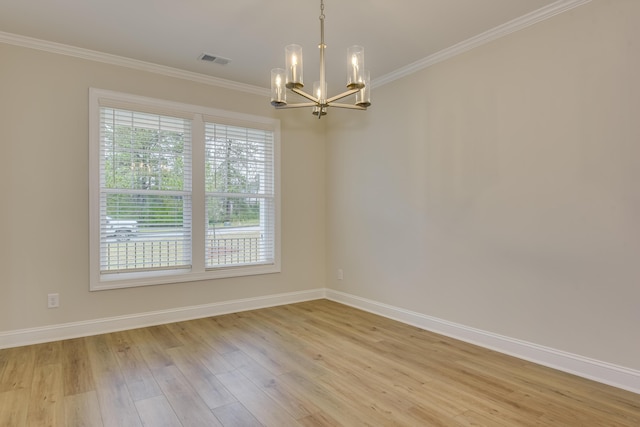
(291, 77)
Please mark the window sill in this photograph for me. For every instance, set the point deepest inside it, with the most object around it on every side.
(130, 280)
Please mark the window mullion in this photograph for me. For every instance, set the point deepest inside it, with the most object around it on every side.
(198, 188)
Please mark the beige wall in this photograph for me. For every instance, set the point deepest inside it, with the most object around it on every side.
(500, 189)
(44, 193)
(497, 190)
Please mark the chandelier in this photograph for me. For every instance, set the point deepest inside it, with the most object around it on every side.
(291, 78)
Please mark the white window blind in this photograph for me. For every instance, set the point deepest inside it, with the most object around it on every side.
(180, 192)
(145, 194)
(240, 197)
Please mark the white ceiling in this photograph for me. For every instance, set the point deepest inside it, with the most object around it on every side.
(253, 33)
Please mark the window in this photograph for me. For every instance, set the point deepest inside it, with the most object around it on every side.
(180, 192)
(239, 193)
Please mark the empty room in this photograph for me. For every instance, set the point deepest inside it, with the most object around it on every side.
(320, 213)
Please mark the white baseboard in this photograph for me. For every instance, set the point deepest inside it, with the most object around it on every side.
(63, 331)
(617, 376)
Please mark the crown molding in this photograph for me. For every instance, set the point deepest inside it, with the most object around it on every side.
(92, 55)
(514, 25)
(517, 24)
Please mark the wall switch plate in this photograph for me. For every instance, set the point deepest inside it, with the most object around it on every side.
(340, 274)
(53, 300)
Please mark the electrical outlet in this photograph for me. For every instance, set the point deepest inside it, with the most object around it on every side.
(53, 300)
(340, 274)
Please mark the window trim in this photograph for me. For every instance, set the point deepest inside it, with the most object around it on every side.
(198, 115)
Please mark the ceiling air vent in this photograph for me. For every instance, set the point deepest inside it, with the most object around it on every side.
(207, 57)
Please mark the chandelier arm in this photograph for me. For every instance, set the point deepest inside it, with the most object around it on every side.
(342, 95)
(298, 105)
(349, 106)
(305, 95)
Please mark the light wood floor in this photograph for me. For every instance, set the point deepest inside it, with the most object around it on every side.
(317, 363)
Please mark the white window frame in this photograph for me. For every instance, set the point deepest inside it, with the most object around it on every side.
(197, 114)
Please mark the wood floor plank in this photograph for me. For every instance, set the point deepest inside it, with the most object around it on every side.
(201, 379)
(256, 346)
(48, 353)
(4, 360)
(473, 418)
(554, 412)
(152, 351)
(373, 401)
(18, 370)
(82, 410)
(532, 382)
(431, 415)
(261, 406)
(211, 332)
(354, 375)
(116, 405)
(157, 412)
(506, 409)
(269, 383)
(200, 348)
(140, 381)
(46, 399)
(335, 355)
(190, 409)
(570, 419)
(76, 369)
(290, 350)
(580, 392)
(316, 363)
(332, 405)
(235, 414)
(319, 419)
(163, 337)
(14, 407)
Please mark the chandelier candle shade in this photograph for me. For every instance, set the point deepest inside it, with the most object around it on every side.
(358, 80)
(355, 58)
(363, 98)
(293, 54)
(278, 94)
